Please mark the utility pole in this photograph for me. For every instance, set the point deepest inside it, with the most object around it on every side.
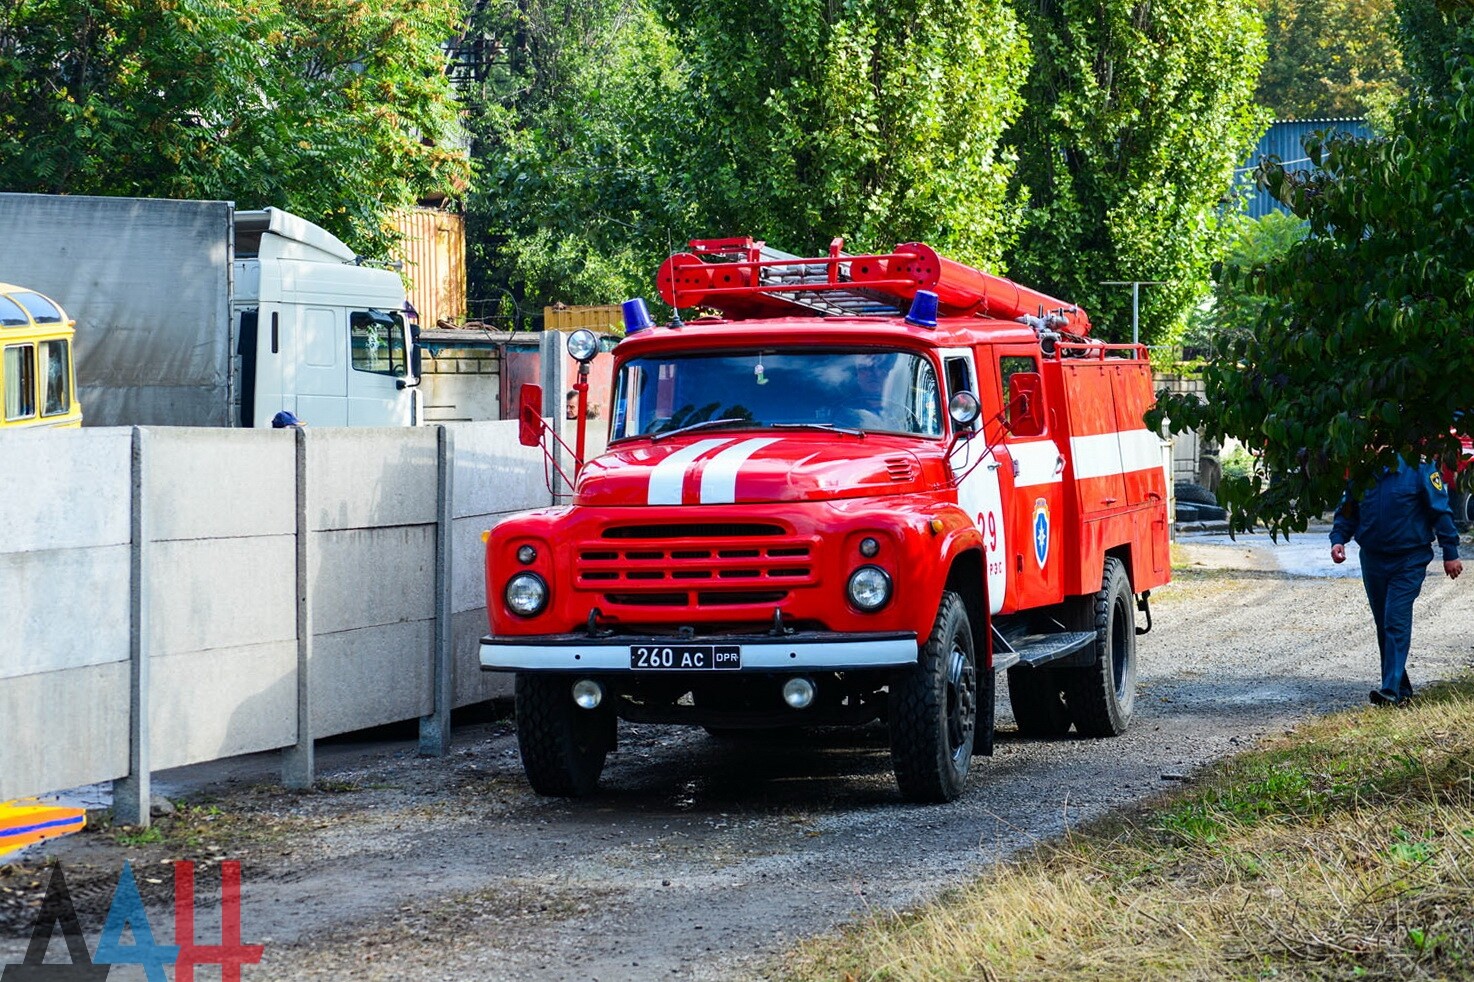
(1136, 286)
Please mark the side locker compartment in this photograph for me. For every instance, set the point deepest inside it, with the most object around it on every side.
(1141, 449)
(1094, 468)
(1142, 466)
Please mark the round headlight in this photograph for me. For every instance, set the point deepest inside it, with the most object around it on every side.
(526, 554)
(582, 345)
(870, 588)
(526, 594)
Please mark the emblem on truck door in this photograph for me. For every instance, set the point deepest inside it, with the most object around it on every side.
(1041, 531)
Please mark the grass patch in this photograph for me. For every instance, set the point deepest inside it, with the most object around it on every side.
(1345, 850)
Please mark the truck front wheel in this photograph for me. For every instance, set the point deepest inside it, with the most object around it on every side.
(1102, 696)
(933, 710)
(563, 747)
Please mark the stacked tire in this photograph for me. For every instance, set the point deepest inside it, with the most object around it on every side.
(1196, 503)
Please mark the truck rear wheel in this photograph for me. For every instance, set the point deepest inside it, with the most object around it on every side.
(563, 747)
(1461, 505)
(1038, 701)
(1102, 696)
(933, 710)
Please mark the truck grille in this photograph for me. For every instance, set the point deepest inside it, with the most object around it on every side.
(695, 565)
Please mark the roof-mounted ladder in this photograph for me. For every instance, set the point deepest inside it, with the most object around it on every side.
(744, 278)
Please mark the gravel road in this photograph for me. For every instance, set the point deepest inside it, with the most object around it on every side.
(703, 859)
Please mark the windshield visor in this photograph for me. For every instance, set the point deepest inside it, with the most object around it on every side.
(885, 391)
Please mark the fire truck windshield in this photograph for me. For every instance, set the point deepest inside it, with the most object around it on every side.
(885, 391)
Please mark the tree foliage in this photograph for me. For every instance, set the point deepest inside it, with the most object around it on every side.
(334, 109)
(1136, 115)
(570, 116)
(1235, 304)
(1329, 58)
(877, 120)
(1364, 349)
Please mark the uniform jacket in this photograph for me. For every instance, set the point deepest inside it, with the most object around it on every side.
(1401, 512)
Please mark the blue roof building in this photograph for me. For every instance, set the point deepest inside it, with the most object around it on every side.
(1283, 140)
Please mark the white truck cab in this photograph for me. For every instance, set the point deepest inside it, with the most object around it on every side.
(317, 334)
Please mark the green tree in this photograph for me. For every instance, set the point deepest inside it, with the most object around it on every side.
(334, 109)
(877, 120)
(1364, 349)
(1329, 58)
(1235, 304)
(1136, 115)
(569, 111)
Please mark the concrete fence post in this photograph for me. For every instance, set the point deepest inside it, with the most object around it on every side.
(435, 728)
(132, 794)
(298, 767)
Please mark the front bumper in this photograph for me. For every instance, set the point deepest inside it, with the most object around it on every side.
(815, 651)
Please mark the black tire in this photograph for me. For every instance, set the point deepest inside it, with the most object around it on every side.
(1462, 507)
(1193, 494)
(934, 710)
(1102, 697)
(563, 747)
(1038, 701)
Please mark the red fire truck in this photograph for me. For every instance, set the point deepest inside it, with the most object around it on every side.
(850, 488)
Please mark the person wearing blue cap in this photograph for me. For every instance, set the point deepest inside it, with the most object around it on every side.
(285, 419)
(1393, 522)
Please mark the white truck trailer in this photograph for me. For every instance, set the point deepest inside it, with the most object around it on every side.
(191, 313)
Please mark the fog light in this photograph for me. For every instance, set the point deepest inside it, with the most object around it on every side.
(869, 547)
(526, 554)
(588, 693)
(798, 692)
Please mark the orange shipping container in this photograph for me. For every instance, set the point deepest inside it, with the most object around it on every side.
(433, 251)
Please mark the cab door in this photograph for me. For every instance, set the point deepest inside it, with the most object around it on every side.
(320, 365)
(378, 369)
(979, 489)
(1036, 503)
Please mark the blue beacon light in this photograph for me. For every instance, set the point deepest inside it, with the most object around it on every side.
(923, 311)
(636, 316)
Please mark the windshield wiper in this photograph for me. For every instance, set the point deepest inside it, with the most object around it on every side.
(827, 427)
(703, 425)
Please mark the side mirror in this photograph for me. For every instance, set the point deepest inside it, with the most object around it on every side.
(1026, 404)
(530, 415)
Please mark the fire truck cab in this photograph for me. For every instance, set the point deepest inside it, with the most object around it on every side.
(855, 488)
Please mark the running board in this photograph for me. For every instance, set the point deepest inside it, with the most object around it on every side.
(1038, 649)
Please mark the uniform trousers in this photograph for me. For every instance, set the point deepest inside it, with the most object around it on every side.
(1392, 583)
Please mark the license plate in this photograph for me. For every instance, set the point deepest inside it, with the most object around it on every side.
(685, 657)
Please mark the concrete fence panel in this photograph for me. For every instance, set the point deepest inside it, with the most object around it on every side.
(64, 618)
(371, 510)
(494, 476)
(219, 509)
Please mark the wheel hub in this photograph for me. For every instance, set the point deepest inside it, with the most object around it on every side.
(962, 701)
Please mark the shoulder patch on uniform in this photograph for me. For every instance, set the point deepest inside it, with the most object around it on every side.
(1436, 479)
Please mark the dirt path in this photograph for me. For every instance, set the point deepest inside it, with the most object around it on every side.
(701, 860)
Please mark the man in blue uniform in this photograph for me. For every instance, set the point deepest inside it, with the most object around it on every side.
(1393, 523)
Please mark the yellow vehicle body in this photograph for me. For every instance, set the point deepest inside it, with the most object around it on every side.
(38, 384)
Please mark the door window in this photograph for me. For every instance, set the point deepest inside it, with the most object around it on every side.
(378, 343)
(57, 399)
(20, 381)
(1009, 366)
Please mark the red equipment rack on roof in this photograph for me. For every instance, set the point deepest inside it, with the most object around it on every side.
(744, 278)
